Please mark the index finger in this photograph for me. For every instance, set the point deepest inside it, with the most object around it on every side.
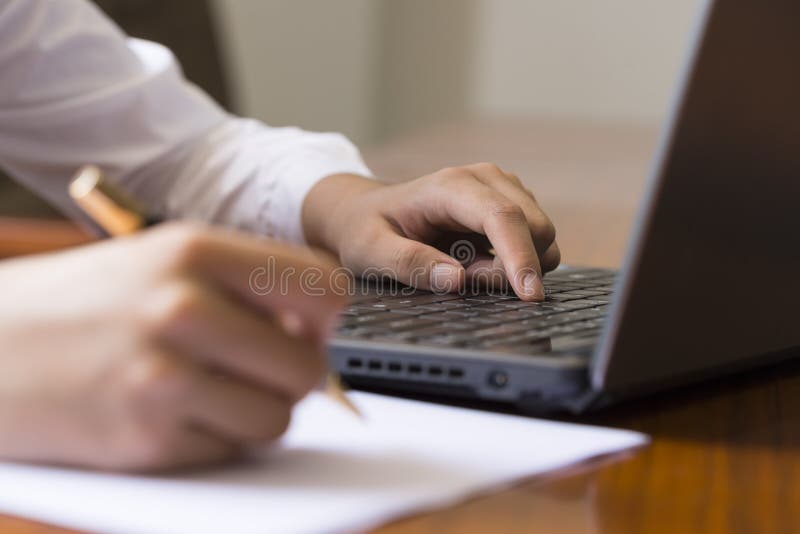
(482, 209)
(271, 277)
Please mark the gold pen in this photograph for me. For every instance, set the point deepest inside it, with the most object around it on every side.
(118, 214)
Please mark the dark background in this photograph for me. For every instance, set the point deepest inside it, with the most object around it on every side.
(185, 26)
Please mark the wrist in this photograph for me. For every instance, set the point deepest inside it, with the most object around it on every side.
(327, 205)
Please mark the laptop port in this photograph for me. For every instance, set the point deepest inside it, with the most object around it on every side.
(455, 372)
(414, 368)
(354, 363)
(435, 371)
(375, 365)
(394, 367)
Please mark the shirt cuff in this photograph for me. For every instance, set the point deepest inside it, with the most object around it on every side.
(315, 157)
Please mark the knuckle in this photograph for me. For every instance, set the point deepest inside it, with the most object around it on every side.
(553, 259)
(448, 175)
(153, 379)
(489, 168)
(449, 171)
(405, 259)
(318, 281)
(172, 308)
(507, 211)
(183, 243)
(546, 233)
(515, 180)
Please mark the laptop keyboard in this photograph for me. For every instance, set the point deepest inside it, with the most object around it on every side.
(571, 316)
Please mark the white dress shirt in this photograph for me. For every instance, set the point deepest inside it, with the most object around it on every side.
(75, 90)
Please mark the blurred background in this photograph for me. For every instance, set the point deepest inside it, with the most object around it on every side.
(378, 70)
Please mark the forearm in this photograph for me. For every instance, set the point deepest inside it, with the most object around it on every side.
(75, 90)
(131, 112)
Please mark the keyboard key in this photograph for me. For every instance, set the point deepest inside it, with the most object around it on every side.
(546, 307)
(483, 320)
(584, 293)
(369, 318)
(432, 331)
(393, 337)
(488, 309)
(511, 304)
(421, 298)
(606, 288)
(552, 290)
(414, 310)
(583, 303)
(585, 341)
(512, 315)
(567, 284)
(487, 299)
(358, 332)
(449, 305)
(563, 297)
(367, 308)
(462, 314)
(411, 323)
(499, 330)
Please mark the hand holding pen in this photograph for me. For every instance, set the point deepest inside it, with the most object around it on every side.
(118, 214)
(140, 330)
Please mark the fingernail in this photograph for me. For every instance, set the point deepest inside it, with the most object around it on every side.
(532, 285)
(444, 277)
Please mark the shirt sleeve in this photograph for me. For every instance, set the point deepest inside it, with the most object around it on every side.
(75, 90)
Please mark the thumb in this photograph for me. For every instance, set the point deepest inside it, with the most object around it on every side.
(417, 264)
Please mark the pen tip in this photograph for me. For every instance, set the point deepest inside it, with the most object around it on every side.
(336, 390)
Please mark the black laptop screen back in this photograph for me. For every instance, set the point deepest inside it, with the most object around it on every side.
(713, 276)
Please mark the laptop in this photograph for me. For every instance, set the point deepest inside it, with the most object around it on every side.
(711, 279)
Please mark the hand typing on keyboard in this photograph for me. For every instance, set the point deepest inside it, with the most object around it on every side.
(406, 230)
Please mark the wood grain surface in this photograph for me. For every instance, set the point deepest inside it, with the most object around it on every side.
(725, 456)
(20, 236)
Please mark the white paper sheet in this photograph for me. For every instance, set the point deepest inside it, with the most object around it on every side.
(331, 473)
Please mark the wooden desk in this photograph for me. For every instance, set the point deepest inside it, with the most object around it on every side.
(20, 236)
(725, 457)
